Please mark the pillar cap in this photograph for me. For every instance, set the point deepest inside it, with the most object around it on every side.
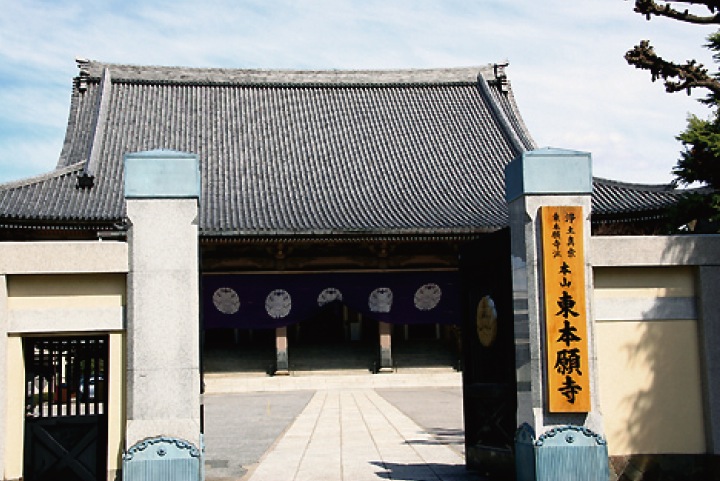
(162, 174)
(549, 171)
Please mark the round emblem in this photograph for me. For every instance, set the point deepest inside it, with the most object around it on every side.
(226, 300)
(427, 297)
(486, 321)
(329, 295)
(380, 300)
(278, 303)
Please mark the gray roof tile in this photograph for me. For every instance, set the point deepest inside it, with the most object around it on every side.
(297, 153)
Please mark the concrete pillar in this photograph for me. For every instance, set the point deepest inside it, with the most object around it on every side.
(709, 330)
(163, 334)
(386, 363)
(547, 177)
(282, 367)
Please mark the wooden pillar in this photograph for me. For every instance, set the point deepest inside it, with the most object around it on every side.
(282, 367)
(386, 364)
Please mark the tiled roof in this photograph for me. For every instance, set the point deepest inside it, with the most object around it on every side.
(628, 202)
(300, 152)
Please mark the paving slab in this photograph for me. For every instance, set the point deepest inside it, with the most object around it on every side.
(240, 428)
(437, 409)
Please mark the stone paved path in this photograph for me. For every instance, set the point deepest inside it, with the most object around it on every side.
(362, 431)
(356, 435)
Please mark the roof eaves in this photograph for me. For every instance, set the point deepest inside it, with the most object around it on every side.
(350, 232)
(319, 236)
(636, 186)
(62, 224)
(340, 239)
(623, 218)
(70, 169)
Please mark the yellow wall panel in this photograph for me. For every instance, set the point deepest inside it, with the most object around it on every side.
(671, 280)
(639, 292)
(63, 291)
(650, 387)
(15, 422)
(116, 400)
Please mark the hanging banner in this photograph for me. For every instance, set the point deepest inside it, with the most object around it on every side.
(563, 260)
(274, 300)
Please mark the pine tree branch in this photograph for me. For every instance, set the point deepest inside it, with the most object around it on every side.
(650, 8)
(689, 76)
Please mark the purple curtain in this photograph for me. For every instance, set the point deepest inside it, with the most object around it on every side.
(275, 300)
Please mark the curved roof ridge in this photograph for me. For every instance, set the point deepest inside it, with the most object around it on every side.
(99, 126)
(168, 74)
(53, 174)
(521, 129)
(502, 119)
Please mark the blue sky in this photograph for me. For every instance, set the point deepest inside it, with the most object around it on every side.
(567, 69)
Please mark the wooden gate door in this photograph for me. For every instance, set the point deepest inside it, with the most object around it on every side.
(489, 386)
(65, 408)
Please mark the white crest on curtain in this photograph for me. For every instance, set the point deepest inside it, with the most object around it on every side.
(226, 300)
(381, 300)
(428, 297)
(329, 295)
(278, 303)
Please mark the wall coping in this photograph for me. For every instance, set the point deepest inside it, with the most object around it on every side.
(635, 251)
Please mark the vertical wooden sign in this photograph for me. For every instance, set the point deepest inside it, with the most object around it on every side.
(563, 259)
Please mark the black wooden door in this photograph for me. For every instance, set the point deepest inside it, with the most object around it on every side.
(65, 408)
(488, 341)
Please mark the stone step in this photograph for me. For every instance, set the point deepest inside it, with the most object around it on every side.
(229, 383)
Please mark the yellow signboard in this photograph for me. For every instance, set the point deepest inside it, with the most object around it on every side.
(565, 314)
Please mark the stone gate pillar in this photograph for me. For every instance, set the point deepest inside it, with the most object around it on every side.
(163, 347)
(560, 425)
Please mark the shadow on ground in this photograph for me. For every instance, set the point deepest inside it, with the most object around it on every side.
(423, 472)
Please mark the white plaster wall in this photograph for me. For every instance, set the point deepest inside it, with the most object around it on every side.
(63, 257)
(638, 251)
